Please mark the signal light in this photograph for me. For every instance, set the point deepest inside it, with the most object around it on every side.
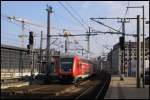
(31, 39)
(121, 42)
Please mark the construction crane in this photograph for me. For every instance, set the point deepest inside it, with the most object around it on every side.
(22, 36)
(68, 34)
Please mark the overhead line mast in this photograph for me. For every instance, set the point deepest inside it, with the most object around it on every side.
(49, 11)
(123, 21)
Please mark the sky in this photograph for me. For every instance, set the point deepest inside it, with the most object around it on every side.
(35, 12)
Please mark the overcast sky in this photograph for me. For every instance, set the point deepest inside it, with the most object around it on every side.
(34, 11)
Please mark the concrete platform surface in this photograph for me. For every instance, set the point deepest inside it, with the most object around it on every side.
(126, 89)
(14, 84)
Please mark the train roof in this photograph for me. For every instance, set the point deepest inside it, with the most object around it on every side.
(70, 56)
(74, 55)
(66, 55)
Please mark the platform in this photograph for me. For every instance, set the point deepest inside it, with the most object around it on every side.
(126, 89)
(14, 84)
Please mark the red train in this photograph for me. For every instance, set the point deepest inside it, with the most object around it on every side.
(73, 68)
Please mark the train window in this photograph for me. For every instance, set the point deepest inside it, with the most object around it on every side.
(67, 59)
(66, 64)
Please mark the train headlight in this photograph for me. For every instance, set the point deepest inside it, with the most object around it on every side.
(70, 69)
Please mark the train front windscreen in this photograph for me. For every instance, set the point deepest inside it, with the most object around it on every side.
(66, 64)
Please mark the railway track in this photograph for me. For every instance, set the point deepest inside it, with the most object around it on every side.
(42, 91)
(96, 90)
(92, 88)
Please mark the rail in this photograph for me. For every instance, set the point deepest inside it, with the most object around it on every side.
(103, 89)
(97, 91)
(86, 90)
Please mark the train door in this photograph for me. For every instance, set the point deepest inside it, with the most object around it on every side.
(80, 69)
(84, 70)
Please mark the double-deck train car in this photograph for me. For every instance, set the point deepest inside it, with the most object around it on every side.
(73, 68)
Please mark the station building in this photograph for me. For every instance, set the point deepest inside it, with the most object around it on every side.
(130, 60)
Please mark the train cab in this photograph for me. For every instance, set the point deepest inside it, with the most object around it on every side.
(66, 68)
(73, 68)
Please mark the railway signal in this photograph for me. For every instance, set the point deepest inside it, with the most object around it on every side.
(121, 42)
(31, 38)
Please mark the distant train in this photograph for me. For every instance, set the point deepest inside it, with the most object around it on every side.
(73, 68)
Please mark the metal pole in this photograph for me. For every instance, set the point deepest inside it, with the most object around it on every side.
(82, 51)
(88, 43)
(41, 53)
(123, 31)
(121, 78)
(22, 36)
(143, 50)
(49, 10)
(122, 55)
(111, 58)
(101, 63)
(48, 39)
(31, 60)
(66, 44)
(143, 44)
(129, 57)
(67, 38)
(138, 52)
